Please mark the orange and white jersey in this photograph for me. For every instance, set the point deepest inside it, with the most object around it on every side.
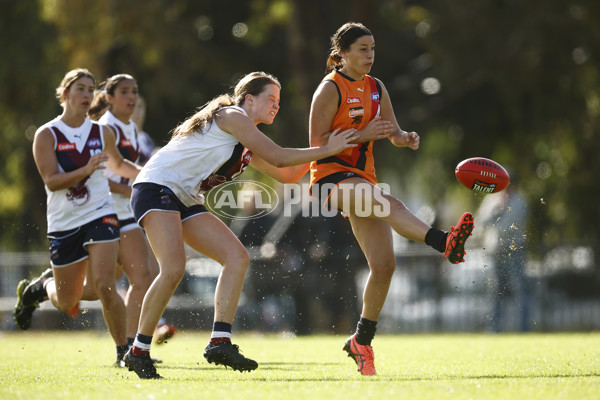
(358, 105)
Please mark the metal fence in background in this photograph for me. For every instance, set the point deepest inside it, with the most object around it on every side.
(427, 295)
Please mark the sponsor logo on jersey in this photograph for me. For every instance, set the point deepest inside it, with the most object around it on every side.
(356, 111)
(66, 146)
(94, 143)
(110, 220)
(126, 143)
(375, 96)
(352, 100)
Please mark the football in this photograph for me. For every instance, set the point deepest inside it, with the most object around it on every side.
(482, 175)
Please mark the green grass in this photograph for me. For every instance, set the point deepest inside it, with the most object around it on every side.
(77, 365)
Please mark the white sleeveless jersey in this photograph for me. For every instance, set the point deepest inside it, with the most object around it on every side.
(89, 199)
(193, 164)
(128, 145)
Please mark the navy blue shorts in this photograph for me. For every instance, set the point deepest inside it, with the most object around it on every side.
(128, 224)
(146, 197)
(69, 247)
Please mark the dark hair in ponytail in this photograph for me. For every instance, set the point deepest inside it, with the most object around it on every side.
(100, 102)
(342, 40)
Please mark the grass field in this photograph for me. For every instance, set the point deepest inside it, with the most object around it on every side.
(78, 365)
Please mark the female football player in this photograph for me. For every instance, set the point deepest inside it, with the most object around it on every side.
(210, 148)
(350, 98)
(71, 153)
(114, 105)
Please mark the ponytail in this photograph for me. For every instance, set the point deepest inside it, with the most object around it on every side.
(203, 117)
(253, 84)
(333, 62)
(99, 105)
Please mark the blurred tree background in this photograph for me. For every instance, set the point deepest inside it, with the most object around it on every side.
(513, 81)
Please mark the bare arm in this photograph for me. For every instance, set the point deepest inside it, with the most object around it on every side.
(116, 187)
(284, 174)
(322, 112)
(240, 126)
(47, 164)
(116, 162)
(398, 137)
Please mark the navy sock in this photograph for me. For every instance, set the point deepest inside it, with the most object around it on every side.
(121, 350)
(436, 238)
(365, 331)
(141, 345)
(221, 333)
(130, 342)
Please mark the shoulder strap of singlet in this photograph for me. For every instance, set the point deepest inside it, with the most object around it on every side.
(338, 91)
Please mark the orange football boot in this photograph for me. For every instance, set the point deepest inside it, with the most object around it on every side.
(457, 237)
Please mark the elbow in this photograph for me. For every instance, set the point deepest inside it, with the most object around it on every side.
(278, 162)
(52, 188)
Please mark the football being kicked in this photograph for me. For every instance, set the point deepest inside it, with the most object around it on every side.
(482, 175)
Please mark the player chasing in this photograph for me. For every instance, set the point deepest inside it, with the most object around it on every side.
(208, 149)
(349, 98)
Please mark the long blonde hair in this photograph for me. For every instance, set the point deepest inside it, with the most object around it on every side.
(253, 84)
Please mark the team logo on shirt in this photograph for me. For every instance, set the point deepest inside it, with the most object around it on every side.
(356, 113)
(94, 143)
(375, 96)
(79, 194)
(126, 143)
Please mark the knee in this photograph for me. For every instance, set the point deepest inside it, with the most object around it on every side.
(383, 270)
(397, 205)
(239, 259)
(66, 303)
(172, 275)
(141, 280)
(105, 286)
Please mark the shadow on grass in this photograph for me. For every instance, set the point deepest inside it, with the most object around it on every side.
(287, 367)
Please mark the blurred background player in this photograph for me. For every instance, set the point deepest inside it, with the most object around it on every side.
(505, 216)
(113, 106)
(146, 148)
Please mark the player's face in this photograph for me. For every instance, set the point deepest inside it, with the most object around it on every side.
(124, 99)
(359, 59)
(266, 104)
(80, 94)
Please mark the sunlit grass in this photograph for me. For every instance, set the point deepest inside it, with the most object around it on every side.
(68, 365)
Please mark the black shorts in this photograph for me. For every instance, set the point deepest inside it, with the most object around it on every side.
(322, 188)
(128, 224)
(69, 247)
(146, 197)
